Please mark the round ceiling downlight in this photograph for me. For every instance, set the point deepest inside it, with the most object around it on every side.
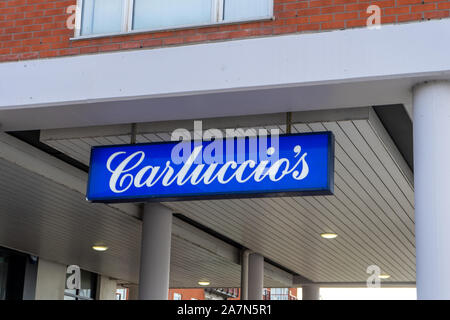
(99, 247)
(328, 235)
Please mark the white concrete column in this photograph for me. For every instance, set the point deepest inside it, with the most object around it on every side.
(431, 103)
(155, 252)
(255, 276)
(311, 292)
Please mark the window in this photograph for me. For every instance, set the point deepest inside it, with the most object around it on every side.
(235, 10)
(13, 266)
(97, 17)
(122, 294)
(177, 296)
(279, 294)
(3, 275)
(102, 16)
(157, 14)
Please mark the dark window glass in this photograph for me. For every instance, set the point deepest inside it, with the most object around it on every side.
(3, 275)
(12, 274)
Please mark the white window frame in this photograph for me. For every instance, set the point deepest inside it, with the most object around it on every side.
(127, 20)
(177, 296)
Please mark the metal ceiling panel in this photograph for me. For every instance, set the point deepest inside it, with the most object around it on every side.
(372, 209)
(44, 218)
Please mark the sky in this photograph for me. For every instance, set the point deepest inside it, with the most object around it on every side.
(366, 294)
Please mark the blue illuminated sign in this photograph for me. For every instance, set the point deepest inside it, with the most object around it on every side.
(295, 164)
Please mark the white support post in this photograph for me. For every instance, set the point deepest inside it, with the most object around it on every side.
(311, 292)
(255, 276)
(155, 252)
(431, 103)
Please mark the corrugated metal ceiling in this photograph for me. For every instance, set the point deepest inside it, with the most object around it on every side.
(44, 218)
(372, 209)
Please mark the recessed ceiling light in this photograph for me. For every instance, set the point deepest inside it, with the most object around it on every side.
(99, 247)
(328, 235)
(204, 283)
(384, 276)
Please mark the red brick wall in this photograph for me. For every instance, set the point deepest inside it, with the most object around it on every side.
(188, 294)
(32, 29)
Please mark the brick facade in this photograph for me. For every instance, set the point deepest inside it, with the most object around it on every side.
(188, 294)
(33, 29)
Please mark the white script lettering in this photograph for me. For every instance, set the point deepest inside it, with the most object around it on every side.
(122, 179)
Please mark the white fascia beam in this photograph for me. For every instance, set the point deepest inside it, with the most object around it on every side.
(299, 281)
(343, 56)
(343, 68)
(278, 275)
(259, 120)
(201, 239)
(383, 284)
